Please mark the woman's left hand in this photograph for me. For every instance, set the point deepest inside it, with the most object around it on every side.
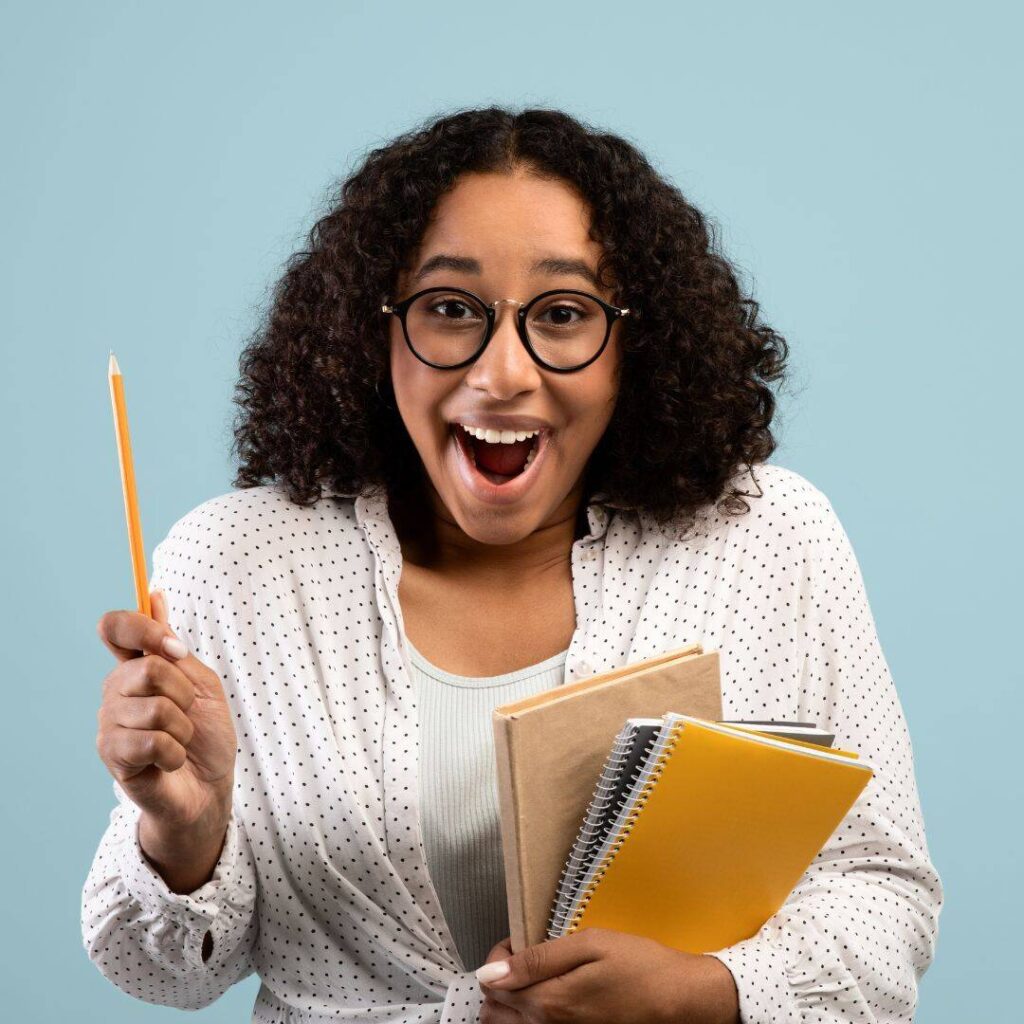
(608, 977)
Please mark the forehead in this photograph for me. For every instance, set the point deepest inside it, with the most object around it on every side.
(495, 217)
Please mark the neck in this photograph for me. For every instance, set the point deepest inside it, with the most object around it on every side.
(442, 546)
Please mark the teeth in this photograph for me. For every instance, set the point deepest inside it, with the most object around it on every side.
(521, 435)
(499, 436)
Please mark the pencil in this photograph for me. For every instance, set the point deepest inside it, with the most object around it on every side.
(131, 501)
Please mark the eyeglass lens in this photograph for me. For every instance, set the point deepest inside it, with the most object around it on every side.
(564, 329)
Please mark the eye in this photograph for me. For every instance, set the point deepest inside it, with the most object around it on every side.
(562, 314)
(453, 309)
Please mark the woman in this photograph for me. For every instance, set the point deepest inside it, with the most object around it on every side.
(498, 433)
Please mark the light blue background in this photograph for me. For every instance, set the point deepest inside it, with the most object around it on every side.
(162, 160)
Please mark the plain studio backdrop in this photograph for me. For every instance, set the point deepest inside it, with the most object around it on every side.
(862, 165)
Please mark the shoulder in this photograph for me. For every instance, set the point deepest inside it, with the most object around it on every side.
(786, 511)
(254, 524)
(785, 501)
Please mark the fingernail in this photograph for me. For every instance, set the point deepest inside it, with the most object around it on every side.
(174, 648)
(492, 971)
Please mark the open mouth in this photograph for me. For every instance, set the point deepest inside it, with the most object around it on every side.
(499, 463)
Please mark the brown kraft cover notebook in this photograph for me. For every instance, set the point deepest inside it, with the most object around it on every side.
(549, 751)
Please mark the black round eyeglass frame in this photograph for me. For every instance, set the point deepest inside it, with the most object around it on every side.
(612, 313)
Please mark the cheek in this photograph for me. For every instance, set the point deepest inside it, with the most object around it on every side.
(399, 355)
(407, 378)
(420, 393)
(590, 405)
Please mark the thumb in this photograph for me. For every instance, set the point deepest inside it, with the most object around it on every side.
(537, 963)
(493, 971)
(206, 681)
(500, 954)
(158, 606)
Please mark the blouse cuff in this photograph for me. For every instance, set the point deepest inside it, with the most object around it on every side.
(181, 921)
(759, 970)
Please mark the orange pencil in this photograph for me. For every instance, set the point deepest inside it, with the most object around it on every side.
(131, 502)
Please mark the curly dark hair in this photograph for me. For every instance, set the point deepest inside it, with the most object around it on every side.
(693, 406)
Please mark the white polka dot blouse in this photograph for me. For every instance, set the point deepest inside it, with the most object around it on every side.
(322, 887)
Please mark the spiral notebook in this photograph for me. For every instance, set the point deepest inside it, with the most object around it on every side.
(697, 831)
(631, 750)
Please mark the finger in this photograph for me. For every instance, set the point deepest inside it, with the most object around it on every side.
(193, 669)
(129, 751)
(154, 713)
(500, 950)
(158, 605)
(129, 635)
(512, 1006)
(121, 653)
(546, 960)
(493, 1012)
(492, 1009)
(152, 676)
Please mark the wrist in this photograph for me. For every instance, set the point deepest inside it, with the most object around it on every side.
(723, 994)
(184, 855)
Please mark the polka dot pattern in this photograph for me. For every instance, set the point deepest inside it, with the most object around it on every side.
(322, 888)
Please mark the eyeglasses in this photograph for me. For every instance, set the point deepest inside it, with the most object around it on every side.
(563, 330)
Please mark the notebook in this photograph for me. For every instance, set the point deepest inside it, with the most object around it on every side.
(631, 749)
(697, 841)
(549, 750)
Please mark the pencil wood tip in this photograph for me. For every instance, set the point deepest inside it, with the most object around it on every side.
(112, 366)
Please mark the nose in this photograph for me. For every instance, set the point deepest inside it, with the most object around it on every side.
(505, 368)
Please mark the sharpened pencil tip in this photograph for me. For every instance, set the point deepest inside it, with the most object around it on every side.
(112, 366)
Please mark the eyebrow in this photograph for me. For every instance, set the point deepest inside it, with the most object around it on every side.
(546, 265)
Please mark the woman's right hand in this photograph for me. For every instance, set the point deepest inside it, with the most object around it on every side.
(165, 729)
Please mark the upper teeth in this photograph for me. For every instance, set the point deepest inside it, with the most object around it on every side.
(499, 436)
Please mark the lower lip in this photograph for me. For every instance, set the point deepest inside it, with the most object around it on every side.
(498, 494)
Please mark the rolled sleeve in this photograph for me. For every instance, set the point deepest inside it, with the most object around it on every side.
(149, 940)
(222, 907)
(758, 967)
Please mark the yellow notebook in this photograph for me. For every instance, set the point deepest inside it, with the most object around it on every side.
(716, 834)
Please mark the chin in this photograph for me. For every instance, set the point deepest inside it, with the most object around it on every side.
(496, 526)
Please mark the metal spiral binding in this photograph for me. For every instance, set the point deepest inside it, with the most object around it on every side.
(578, 873)
(590, 835)
(600, 827)
(585, 860)
(642, 798)
(585, 863)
